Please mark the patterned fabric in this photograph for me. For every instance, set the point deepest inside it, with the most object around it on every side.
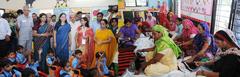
(204, 37)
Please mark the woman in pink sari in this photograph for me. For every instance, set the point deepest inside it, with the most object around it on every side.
(85, 41)
(188, 33)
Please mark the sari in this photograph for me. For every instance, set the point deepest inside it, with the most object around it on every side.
(202, 38)
(42, 43)
(62, 41)
(166, 46)
(109, 48)
(87, 47)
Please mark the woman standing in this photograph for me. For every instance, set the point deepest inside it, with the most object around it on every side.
(85, 40)
(113, 25)
(227, 60)
(105, 41)
(62, 38)
(42, 32)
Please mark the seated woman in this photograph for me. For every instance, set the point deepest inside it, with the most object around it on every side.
(164, 57)
(129, 33)
(172, 22)
(203, 44)
(227, 60)
(189, 31)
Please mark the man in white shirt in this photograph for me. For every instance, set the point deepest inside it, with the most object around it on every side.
(74, 26)
(5, 33)
(25, 24)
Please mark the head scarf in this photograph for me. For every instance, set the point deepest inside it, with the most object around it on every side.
(227, 35)
(165, 41)
(200, 38)
(205, 27)
(192, 28)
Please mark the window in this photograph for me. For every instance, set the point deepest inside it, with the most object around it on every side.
(141, 2)
(130, 3)
(134, 3)
(222, 14)
(236, 22)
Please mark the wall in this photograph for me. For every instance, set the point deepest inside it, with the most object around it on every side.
(49, 4)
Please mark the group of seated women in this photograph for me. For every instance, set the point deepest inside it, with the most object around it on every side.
(219, 52)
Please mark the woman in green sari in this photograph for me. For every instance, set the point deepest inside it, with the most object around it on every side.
(163, 57)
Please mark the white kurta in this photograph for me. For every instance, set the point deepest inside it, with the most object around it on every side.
(74, 27)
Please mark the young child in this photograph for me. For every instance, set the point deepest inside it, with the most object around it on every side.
(64, 72)
(50, 61)
(8, 70)
(50, 57)
(12, 57)
(101, 64)
(179, 29)
(20, 58)
(76, 63)
(34, 65)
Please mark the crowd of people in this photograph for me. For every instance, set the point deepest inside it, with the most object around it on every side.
(57, 47)
(80, 47)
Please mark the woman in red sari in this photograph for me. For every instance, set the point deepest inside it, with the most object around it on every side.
(85, 41)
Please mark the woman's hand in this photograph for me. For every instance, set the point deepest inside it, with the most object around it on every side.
(99, 42)
(201, 54)
(198, 63)
(190, 60)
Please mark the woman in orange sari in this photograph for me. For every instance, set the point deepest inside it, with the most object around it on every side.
(85, 41)
(105, 41)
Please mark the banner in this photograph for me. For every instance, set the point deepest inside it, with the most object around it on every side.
(199, 9)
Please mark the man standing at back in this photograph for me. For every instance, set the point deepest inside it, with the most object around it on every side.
(24, 25)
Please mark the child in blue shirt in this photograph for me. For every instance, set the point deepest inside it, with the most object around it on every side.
(20, 58)
(12, 57)
(101, 64)
(76, 63)
(8, 70)
(64, 72)
(50, 57)
(34, 65)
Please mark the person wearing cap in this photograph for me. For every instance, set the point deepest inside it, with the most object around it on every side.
(227, 60)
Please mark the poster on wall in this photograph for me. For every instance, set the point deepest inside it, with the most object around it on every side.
(198, 9)
(121, 4)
